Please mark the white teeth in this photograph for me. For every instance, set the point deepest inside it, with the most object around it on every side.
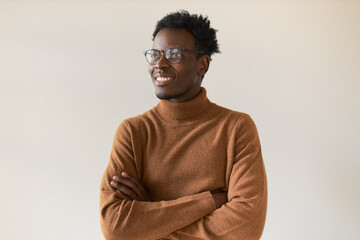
(162, 79)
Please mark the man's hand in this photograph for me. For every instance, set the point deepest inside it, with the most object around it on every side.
(129, 188)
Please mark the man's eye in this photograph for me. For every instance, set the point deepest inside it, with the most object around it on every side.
(153, 54)
(175, 54)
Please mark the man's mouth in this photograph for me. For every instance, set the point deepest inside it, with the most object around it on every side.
(163, 80)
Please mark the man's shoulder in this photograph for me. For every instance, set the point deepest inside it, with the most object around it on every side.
(141, 119)
(230, 113)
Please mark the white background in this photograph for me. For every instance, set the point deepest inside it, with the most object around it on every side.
(71, 71)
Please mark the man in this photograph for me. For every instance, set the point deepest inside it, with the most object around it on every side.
(187, 168)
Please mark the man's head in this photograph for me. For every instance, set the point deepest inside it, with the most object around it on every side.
(197, 25)
(177, 74)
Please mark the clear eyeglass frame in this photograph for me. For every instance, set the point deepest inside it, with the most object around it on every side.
(173, 55)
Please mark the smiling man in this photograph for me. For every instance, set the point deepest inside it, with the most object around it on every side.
(187, 168)
(178, 78)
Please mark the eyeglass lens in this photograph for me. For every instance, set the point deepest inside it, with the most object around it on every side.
(173, 55)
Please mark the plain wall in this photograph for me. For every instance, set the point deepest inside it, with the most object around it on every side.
(71, 71)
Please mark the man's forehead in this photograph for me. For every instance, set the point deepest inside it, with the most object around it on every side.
(173, 37)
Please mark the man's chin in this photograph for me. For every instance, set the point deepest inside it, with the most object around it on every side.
(166, 96)
(163, 96)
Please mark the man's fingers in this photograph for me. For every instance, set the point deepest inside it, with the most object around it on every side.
(124, 190)
(130, 187)
(133, 180)
(123, 196)
(140, 190)
(128, 183)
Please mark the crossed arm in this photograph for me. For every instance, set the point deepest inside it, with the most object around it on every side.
(128, 212)
(131, 189)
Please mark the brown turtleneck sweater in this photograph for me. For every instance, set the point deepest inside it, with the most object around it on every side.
(181, 152)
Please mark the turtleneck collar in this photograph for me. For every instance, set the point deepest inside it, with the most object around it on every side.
(184, 110)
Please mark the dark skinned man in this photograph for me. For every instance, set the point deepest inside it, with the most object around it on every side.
(188, 168)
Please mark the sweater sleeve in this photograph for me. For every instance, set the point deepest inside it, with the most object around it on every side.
(123, 219)
(243, 216)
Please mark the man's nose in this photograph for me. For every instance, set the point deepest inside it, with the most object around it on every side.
(162, 63)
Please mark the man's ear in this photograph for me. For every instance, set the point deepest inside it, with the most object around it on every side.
(204, 62)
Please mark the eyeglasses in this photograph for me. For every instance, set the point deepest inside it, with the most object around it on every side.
(173, 55)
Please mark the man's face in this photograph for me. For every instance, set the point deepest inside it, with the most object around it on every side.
(181, 81)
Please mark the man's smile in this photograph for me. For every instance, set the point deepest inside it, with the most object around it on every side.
(162, 79)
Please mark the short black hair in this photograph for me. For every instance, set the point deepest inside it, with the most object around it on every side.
(198, 25)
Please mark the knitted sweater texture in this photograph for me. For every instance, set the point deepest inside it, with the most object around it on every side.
(181, 152)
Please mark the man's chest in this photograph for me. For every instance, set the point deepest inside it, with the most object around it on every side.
(186, 161)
